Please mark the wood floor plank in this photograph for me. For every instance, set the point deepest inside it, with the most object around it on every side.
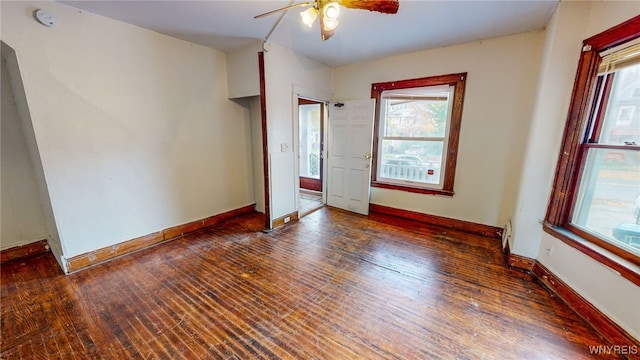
(334, 285)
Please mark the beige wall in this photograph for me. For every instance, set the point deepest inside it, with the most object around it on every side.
(22, 217)
(560, 58)
(14, 77)
(499, 95)
(134, 128)
(603, 287)
(243, 71)
(286, 71)
(243, 84)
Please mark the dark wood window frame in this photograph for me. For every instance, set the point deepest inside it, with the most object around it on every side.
(578, 128)
(458, 81)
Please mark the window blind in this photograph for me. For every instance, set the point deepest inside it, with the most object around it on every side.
(619, 59)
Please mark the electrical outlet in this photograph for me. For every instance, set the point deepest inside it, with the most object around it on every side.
(287, 219)
(548, 250)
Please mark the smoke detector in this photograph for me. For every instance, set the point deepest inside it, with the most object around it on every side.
(45, 18)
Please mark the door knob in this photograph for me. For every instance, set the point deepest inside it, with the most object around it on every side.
(367, 156)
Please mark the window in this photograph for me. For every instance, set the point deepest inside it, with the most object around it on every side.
(596, 194)
(609, 184)
(416, 133)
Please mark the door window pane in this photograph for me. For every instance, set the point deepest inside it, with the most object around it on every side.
(309, 118)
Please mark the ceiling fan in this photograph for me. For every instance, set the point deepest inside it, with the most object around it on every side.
(329, 10)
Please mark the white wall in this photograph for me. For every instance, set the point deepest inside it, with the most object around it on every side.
(134, 128)
(284, 72)
(606, 289)
(28, 135)
(561, 53)
(243, 72)
(243, 84)
(499, 95)
(22, 217)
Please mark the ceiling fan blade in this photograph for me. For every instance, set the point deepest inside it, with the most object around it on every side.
(383, 6)
(283, 9)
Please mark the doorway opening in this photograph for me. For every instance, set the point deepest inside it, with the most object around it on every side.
(310, 159)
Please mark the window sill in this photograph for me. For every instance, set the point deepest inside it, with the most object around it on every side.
(624, 267)
(412, 189)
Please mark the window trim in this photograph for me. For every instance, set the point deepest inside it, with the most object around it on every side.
(458, 81)
(567, 175)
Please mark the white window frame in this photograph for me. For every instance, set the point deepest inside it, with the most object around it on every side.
(439, 89)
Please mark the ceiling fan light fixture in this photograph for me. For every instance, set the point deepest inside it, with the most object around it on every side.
(331, 11)
(330, 24)
(329, 19)
(309, 16)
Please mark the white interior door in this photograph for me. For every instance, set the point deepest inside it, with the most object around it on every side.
(350, 141)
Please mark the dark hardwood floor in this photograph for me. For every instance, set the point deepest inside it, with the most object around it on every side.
(334, 285)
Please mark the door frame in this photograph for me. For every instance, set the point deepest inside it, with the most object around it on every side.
(323, 98)
(265, 143)
(316, 183)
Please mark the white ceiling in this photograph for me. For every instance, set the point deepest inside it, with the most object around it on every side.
(362, 35)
